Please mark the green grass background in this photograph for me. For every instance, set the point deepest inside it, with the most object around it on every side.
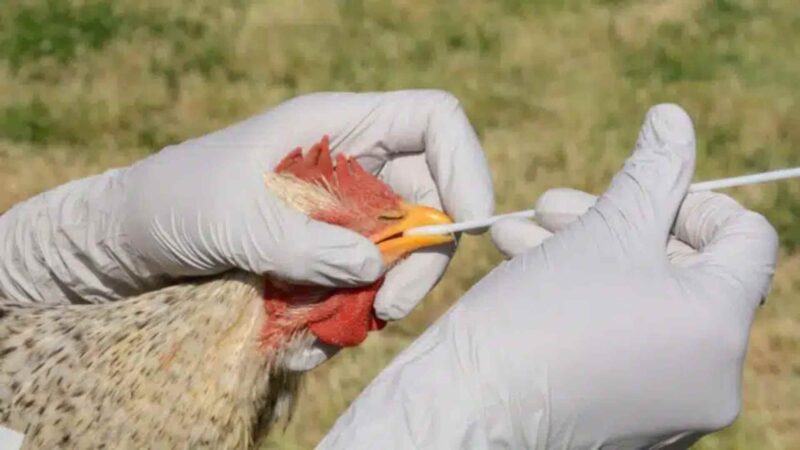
(556, 91)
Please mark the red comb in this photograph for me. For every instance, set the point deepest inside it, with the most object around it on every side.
(316, 165)
(349, 179)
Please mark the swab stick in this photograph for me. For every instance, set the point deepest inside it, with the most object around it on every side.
(764, 177)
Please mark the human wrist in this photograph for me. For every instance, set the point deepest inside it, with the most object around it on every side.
(58, 246)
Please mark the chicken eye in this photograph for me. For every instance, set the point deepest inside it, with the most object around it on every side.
(391, 215)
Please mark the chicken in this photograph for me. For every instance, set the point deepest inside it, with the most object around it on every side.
(199, 364)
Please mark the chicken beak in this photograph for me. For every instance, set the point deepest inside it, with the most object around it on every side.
(393, 245)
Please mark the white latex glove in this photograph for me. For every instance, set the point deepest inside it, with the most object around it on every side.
(593, 339)
(201, 207)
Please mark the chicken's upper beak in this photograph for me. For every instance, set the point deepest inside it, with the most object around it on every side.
(393, 245)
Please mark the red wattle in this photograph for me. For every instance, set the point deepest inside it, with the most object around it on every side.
(343, 318)
(352, 320)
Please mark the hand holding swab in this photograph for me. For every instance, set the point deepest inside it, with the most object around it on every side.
(743, 180)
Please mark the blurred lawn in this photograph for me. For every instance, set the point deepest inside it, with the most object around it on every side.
(556, 90)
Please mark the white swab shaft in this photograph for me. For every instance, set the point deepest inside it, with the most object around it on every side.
(468, 224)
(764, 177)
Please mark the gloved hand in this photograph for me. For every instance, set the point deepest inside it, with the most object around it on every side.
(201, 207)
(593, 338)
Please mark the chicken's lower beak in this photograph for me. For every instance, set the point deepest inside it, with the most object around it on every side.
(393, 245)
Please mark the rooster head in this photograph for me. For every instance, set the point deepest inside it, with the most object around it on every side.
(340, 192)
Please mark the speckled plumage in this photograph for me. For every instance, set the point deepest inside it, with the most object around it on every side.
(199, 364)
(182, 367)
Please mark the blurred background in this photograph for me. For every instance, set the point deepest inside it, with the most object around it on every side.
(556, 90)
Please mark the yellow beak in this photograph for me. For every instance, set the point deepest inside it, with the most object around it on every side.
(393, 245)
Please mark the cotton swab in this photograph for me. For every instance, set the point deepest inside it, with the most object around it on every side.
(764, 177)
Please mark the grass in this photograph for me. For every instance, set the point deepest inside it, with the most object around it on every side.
(556, 90)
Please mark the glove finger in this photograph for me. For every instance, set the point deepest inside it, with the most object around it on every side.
(643, 199)
(311, 357)
(409, 177)
(432, 123)
(738, 248)
(455, 157)
(410, 280)
(408, 283)
(557, 208)
(514, 236)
